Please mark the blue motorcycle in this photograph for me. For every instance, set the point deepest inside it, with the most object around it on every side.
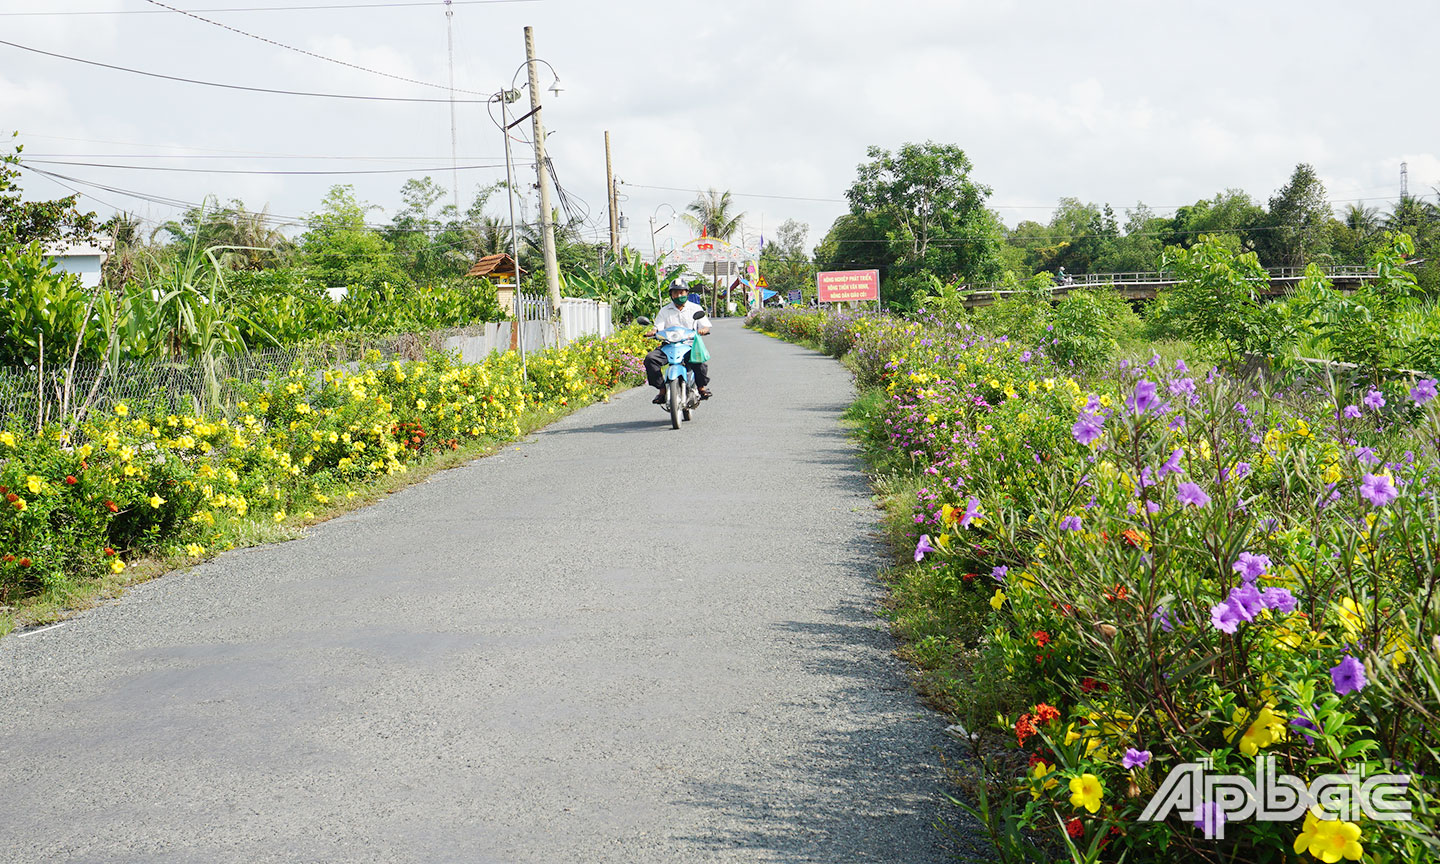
(683, 396)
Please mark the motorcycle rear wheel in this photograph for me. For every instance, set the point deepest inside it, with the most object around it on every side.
(677, 399)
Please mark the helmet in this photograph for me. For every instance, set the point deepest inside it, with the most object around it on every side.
(677, 285)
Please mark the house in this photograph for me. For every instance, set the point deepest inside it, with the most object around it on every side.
(500, 270)
(82, 259)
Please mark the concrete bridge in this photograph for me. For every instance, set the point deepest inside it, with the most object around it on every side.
(1144, 286)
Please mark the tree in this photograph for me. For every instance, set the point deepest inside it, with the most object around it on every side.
(786, 263)
(342, 250)
(46, 222)
(932, 216)
(1297, 221)
(1231, 216)
(710, 212)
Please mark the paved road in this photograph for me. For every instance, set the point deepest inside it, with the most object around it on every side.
(502, 664)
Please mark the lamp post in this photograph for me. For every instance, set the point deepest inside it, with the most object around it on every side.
(505, 98)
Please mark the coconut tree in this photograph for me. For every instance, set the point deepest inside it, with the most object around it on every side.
(710, 213)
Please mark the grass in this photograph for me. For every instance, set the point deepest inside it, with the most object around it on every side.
(59, 604)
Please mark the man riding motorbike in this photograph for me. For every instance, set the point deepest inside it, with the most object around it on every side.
(679, 312)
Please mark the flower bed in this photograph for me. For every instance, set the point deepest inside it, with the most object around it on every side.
(1159, 566)
(137, 481)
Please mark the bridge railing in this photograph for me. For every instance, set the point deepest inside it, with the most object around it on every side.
(1084, 280)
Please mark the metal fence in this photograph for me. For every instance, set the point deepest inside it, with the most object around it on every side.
(29, 398)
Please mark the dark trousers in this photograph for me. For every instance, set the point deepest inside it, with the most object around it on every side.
(656, 361)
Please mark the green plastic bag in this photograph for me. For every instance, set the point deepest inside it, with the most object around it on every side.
(698, 354)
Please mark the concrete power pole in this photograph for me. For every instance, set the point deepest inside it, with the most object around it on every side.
(542, 174)
(610, 197)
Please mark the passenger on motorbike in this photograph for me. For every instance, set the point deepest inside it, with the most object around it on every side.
(679, 312)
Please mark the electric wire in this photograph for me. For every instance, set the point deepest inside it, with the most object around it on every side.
(345, 63)
(246, 88)
(266, 172)
(306, 8)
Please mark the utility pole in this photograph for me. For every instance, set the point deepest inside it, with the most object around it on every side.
(542, 174)
(610, 196)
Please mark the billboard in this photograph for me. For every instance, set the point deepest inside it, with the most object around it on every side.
(840, 286)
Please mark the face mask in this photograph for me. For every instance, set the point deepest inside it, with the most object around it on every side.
(679, 301)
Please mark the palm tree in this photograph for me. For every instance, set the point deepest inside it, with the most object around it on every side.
(710, 214)
(1363, 220)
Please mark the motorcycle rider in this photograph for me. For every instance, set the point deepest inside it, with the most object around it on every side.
(679, 312)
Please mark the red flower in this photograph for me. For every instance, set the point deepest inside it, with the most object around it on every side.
(111, 506)
(4, 489)
(1119, 592)
(9, 558)
(11, 497)
(1045, 713)
(1088, 684)
(1074, 828)
(1132, 537)
(1024, 728)
(24, 562)
(70, 480)
(968, 578)
(1041, 638)
(109, 550)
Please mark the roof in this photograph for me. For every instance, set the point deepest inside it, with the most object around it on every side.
(494, 265)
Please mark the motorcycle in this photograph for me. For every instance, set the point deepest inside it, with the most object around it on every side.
(683, 396)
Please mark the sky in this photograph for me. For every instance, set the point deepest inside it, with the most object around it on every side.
(1110, 102)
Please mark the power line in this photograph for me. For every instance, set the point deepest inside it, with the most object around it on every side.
(737, 194)
(268, 8)
(241, 155)
(309, 53)
(237, 86)
(247, 171)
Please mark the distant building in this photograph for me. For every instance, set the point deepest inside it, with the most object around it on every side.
(81, 259)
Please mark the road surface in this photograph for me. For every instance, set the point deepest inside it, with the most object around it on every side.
(613, 642)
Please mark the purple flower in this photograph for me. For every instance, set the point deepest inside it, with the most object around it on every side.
(1278, 598)
(1181, 367)
(1152, 507)
(1143, 398)
(1189, 493)
(1242, 469)
(1251, 567)
(1224, 617)
(922, 547)
(1070, 523)
(1378, 489)
(1374, 400)
(1176, 422)
(1352, 411)
(1182, 385)
(1087, 428)
(972, 512)
(1172, 465)
(1135, 758)
(1247, 601)
(1210, 818)
(1348, 676)
(1423, 391)
(1367, 456)
(999, 573)
(1025, 357)
(1302, 721)
(1164, 618)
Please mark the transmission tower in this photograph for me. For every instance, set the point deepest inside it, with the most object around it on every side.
(1404, 181)
(454, 159)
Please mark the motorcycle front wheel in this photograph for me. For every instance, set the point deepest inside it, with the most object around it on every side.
(677, 401)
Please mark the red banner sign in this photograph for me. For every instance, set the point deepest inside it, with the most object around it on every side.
(840, 286)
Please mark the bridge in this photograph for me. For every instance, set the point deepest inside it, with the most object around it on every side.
(1144, 286)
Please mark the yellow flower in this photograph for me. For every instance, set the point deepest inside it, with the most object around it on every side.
(156, 501)
(20, 505)
(1352, 617)
(117, 566)
(120, 411)
(302, 408)
(7, 439)
(194, 550)
(279, 516)
(998, 600)
(1039, 773)
(943, 541)
(1085, 791)
(1329, 839)
(34, 483)
(1268, 728)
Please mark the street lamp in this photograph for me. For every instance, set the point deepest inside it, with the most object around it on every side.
(655, 255)
(505, 98)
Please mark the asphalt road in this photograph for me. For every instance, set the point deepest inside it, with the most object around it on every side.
(614, 642)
